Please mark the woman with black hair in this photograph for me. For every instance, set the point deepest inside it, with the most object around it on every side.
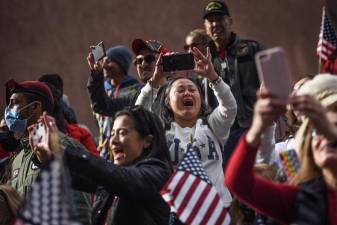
(141, 167)
(189, 124)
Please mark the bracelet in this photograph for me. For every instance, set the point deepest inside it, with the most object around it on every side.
(214, 83)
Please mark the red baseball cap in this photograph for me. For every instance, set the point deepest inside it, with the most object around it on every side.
(33, 87)
(153, 45)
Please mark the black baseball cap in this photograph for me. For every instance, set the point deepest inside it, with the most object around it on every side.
(216, 7)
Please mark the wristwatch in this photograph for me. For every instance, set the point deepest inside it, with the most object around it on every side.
(214, 83)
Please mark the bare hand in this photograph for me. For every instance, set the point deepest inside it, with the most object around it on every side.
(308, 106)
(203, 64)
(94, 66)
(266, 110)
(49, 146)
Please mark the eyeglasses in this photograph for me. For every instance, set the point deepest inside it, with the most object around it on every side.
(148, 59)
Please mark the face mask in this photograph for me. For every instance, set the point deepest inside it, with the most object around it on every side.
(13, 121)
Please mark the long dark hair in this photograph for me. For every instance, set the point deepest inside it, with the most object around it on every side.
(165, 111)
(147, 123)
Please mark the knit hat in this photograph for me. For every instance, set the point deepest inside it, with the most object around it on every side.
(33, 87)
(323, 87)
(121, 55)
(153, 45)
(216, 7)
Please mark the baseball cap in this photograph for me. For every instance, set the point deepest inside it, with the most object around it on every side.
(153, 45)
(216, 7)
(33, 87)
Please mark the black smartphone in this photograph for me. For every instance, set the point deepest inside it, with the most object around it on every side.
(98, 51)
(184, 61)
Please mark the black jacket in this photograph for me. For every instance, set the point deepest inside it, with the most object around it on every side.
(101, 103)
(311, 203)
(133, 190)
(238, 70)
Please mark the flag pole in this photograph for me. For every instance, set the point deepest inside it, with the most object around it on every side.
(321, 33)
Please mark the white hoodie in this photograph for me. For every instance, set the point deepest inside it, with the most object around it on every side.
(208, 139)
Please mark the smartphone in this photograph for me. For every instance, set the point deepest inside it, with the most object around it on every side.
(39, 134)
(273, 71)
(290, 162)
(184, 61)
(98, 51)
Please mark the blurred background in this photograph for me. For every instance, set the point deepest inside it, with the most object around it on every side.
(45, 36)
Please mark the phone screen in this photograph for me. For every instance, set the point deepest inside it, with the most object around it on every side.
(39, 134)
(98, 51)
(178, 62)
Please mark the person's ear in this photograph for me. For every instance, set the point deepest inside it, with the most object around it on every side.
(148, 141)
(37, 107)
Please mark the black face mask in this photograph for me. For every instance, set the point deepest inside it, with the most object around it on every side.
(8, 141)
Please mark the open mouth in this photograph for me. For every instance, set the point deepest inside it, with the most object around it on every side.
(118, 154)
(188, 102)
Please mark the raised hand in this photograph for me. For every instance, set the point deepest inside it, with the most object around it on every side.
(266, 110)
(203, 64)
(48, 146)
(94, 66)
(311, 108)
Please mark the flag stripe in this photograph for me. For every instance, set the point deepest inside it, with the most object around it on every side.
(193, 201)
(180, 183)
(207, 217)
(192, 190)
(183, 190)
(199, 212)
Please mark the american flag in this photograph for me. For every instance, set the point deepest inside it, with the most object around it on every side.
(50, 202)
(327, 38)
(191, 195)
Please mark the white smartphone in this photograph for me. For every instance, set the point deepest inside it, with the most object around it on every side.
(273, 71)
(39, 134)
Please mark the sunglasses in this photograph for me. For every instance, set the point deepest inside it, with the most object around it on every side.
(148, 59)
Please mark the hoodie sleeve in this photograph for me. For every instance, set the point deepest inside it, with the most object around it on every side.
(223, 116)
(147, 96)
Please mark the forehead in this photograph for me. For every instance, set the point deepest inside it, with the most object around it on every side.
(191, 39)
(123, 121)
(183, 83)
(18, 97)
(145, 52)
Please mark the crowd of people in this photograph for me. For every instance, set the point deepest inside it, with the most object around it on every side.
(271, 160)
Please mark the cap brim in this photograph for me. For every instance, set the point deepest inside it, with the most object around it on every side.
(137, 45)
(206, 14)
(330, 100)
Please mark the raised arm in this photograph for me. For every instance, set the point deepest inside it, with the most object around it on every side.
(100, 102)
(271, 199)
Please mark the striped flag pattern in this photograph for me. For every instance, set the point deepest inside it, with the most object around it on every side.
(327, 38)
(50, 201)
(191, 195)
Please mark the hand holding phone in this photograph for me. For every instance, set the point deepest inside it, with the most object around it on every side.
(178, 62)
(98, 51)
(39, 134)
(273, 72)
